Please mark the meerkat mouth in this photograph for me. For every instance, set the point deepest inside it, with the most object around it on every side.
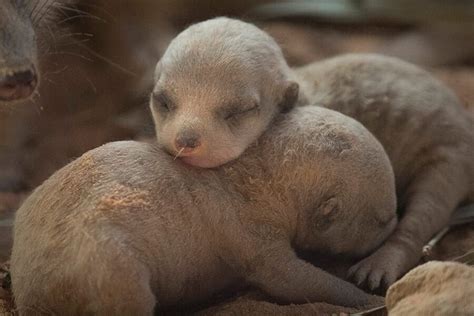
(191, 160)
(200, 162)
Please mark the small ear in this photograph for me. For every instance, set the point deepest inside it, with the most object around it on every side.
(290, 96)
(157, 72)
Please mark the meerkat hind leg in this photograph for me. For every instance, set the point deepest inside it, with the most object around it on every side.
(100, 282)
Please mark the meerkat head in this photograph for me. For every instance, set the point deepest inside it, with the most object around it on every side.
(21, 23)
(217, 88)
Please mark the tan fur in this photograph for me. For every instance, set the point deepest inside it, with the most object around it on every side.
(425, 131)
(427, 134)
(126, 227)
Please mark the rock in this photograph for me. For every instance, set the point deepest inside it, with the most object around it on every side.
(435, 288)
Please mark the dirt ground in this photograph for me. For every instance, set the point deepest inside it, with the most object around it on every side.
(63, 138)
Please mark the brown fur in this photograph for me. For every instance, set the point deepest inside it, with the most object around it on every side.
(427, 134)
(126, 227)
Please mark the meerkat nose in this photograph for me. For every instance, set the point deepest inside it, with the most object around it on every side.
(187, 142)
(18, 85)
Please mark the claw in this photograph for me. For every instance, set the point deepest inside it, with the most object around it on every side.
(374, 280)
(360, 276)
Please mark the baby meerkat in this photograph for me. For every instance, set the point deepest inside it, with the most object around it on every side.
(126, 229)
(221, 83)
(217, 91)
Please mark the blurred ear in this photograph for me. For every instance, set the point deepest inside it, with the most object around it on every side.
(290, 96)
(157, 72)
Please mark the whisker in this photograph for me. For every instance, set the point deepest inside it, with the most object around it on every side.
(69, 54)
(107, 60)
(33, 9)
(102, 10)
(179, 153)
(41, 11)
(75, 17)
(66, 35)
(81, 12)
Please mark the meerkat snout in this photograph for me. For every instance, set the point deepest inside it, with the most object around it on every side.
(187, 142)
(19, 85)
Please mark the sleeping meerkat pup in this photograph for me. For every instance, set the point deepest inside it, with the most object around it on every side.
(126, 229)
(221, 82)
(427, 134)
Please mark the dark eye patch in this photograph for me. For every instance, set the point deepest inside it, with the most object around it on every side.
(162, 102)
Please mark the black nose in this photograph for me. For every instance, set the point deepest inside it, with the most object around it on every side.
(187, 140)
(18, 85)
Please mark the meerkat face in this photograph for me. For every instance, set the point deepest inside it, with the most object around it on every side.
(21, 21)
(213, 96)
(213, 121)
(18, 78)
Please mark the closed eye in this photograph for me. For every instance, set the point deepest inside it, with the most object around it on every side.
(162, 102)
(239, 112)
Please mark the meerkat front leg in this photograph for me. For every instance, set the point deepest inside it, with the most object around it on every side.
(281, 274)
(431, 199)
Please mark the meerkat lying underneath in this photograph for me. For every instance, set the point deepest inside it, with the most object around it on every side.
(126, 227)
(221, 82)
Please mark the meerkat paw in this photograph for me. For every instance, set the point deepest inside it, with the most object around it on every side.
(381, 269)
